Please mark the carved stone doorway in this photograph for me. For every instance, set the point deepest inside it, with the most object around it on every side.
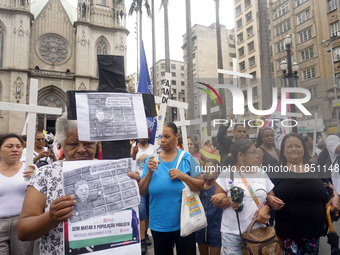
(50, 96)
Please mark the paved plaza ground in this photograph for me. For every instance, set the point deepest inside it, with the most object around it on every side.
(323, 250)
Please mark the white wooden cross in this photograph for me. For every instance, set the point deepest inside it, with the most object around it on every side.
(181, 106)
(234, 73)
(32, 109)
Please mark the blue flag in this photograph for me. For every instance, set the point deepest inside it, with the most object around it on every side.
(145, 86)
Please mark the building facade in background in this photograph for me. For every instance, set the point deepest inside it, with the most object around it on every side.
(57, 44)
(178, 87)
(309, 23)
(204, 57)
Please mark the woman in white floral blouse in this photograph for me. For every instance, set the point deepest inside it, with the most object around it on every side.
(45, 208)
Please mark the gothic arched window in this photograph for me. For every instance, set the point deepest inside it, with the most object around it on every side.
(1, 45)
(102, 47)
(51, 101)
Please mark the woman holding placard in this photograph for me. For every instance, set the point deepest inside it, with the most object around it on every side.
(45, 208)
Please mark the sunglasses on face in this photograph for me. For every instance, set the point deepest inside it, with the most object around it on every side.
(40, 139)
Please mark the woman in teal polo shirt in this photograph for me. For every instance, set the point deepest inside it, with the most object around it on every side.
(164, 183)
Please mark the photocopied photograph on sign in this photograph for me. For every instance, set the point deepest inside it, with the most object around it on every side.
(105, 213)
(110, 116)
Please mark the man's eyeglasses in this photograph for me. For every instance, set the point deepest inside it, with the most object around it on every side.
(40, 139)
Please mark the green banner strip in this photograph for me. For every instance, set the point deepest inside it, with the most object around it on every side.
(100, 240)
(208, 94)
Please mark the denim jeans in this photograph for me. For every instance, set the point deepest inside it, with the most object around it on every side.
(231, 244)
(143, 207)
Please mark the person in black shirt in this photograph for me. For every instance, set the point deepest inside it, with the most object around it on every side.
(266, 150)
(300, 201)
(223, 142)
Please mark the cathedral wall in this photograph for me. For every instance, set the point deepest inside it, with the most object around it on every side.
(16, 42)
(53, 40)
(52, 43)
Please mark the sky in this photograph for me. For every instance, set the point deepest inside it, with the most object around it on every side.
(202, 13)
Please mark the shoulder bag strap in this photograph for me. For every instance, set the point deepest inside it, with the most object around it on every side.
(178, 162)
(238, 223)
(251, 191)
(262, 149)
(180, 159)
(238, 220)
(277, 152)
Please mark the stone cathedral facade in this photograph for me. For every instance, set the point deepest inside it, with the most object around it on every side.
(58, 44)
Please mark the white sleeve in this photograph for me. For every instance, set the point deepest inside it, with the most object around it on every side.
(223, 183)
(269, 185)
(332, 142)
(223, 179)
(23, 156)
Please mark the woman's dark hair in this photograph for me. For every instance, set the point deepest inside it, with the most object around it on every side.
(172, 126)
(214, 162)
(259, 140)
(240, 145)
(305, 157)
(180, 141)
(206, 142)
(306, 138)
(4, 137)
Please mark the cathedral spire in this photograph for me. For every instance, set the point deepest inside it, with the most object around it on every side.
(23, 4)
(16, 4)
(106, 13)
(84, 10)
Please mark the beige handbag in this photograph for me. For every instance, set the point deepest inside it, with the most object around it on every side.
(260, 241)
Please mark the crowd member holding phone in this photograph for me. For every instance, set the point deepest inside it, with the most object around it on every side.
(243, 162)
(42, 155)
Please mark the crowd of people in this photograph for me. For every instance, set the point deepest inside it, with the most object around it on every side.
(293, 201)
